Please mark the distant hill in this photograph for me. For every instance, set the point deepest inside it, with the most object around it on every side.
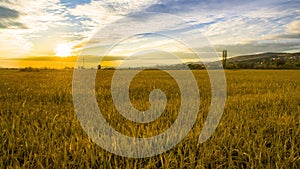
(265, 60)
(256, 61)
(263, 56)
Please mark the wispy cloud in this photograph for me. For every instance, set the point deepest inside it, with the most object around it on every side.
(35, 27)
(38, 17)
(255, 47)
(8, 19)
(255, 23)
(293, 27)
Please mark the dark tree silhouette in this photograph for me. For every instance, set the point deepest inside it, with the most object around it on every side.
(279, 62)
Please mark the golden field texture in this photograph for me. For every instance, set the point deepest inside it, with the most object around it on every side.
(260, 127)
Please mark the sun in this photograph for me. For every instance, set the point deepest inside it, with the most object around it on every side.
(63, 50)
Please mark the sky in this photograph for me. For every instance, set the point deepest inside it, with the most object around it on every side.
(68, 27)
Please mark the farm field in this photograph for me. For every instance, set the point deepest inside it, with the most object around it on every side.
(260, 127)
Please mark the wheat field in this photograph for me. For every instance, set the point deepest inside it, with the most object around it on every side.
(260, 127)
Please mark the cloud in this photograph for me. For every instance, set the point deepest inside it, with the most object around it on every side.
(191, 6)
(248, 25)
(10, 24)
(41, 19)
(293, 27)
(255, 24)
(102, 12)
(98, 14)
(37, 15)
(287, 36)
(255, 47)
(265, 16)
(8, 13)
(8, 19)
(13, 44)
(292, 32)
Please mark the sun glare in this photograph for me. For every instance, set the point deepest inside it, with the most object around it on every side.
(63, 50)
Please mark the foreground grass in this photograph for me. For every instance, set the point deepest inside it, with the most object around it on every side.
(260, 127)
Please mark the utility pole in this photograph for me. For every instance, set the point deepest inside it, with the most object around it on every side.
(83, 62)
(224, 56)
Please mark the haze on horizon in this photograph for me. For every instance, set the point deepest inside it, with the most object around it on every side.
(62, 28)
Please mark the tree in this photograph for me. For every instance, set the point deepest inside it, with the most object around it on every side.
(279, 63)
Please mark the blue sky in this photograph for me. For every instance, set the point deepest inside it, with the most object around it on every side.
(50, 27)
(74, 3)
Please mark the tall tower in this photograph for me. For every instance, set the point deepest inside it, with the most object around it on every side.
(224, 56)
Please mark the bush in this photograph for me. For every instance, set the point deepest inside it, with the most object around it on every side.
(30, 69)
